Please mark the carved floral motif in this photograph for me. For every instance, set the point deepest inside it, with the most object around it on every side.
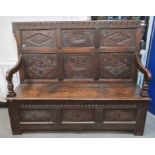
(77, 66)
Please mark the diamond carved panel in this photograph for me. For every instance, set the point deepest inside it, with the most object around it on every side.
(40, 66)
(117, 66)
(40, 38)
(75, 38)
(118, 37)
(77, 115)
(77, 66)
(120, 115)
(35, 115)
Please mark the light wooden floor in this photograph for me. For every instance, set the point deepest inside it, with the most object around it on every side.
(5, 130)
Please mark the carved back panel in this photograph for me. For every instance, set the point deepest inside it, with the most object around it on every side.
(78, 50)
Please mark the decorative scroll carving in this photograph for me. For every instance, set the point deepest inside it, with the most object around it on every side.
(147, 77)
(9, 76)
(117, 66)
(38, 66)
(117, 37)
(77, 24)
(77, 66)
(120, 115)
(40, 38)
(77, 37)
(35, 115)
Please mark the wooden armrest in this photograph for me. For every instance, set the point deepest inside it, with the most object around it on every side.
(9, 76)
(147, 77)
(142, 69)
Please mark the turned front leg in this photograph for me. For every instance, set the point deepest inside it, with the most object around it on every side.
(144, 91)
(10, 87)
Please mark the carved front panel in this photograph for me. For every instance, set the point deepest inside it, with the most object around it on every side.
(35, 115)
(77, 66)
(117, 65)
(40, 66)
(77, 115)
(78, 38)
(118, 37)
(39, 38)
(120, 115)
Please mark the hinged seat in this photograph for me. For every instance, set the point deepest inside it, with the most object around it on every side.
(78, 91)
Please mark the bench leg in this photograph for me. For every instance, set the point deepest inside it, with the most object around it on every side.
(139, 132)
(14, 117)
(14, 132)
(140, 120)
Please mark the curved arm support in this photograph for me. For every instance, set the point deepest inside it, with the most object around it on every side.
(9, 76)
(147, 77)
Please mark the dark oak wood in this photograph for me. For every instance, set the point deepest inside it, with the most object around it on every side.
(78, 76)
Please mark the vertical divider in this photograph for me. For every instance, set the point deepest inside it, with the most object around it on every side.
(97, 35)
(98, 114)
(60, 55)
(58, 39)
(96, 60)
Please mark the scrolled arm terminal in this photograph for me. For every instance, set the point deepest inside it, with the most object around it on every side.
(9, 76)
(147, 77)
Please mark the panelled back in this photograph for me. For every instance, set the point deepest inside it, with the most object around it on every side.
(78, 50)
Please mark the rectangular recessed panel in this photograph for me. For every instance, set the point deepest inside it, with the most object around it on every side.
(77, 115)
(78, 38)
(120, 115)
(117, 65)
(42, 115)
(77, 66)
(118, 37)
(40, 66)
(39, 38)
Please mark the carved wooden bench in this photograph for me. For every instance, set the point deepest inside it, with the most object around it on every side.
(78, 76)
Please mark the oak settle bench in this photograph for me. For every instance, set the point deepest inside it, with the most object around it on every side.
(78, 76)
